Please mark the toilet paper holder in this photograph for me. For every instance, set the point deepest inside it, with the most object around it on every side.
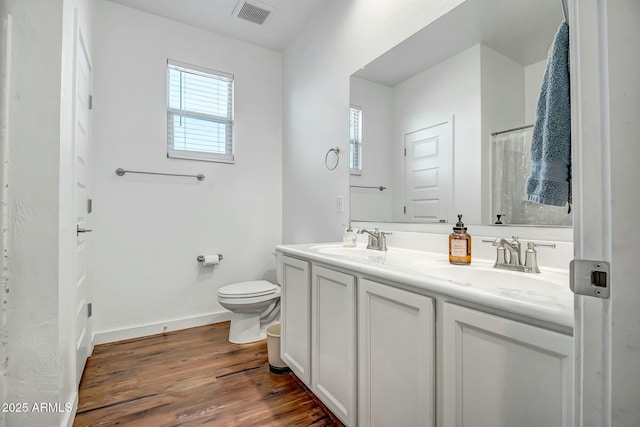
(201, 258)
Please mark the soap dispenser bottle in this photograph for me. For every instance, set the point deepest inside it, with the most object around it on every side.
(349, 239)
(460, 244)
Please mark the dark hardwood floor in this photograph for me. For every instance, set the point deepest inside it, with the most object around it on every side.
(193, 377)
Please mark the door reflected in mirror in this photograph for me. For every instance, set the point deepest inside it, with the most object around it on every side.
(429, 108)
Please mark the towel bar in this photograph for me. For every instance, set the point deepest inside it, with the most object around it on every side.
(121, 172)
(381, 188)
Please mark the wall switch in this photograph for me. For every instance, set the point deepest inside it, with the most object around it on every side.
(340, 204)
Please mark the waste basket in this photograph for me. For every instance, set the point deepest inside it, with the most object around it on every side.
(276, 365)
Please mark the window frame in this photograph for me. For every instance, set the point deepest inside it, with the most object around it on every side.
(172, 152)
(353, 144)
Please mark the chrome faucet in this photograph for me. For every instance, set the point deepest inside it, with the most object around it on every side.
(514, 261)
(531, 256)
(377, 239)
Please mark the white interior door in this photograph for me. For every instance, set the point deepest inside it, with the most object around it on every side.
(82, 204)
(605, 93)
(428, 173)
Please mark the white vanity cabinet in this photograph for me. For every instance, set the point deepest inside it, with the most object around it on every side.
(333, 341)
(502, 373)
(383, 347)
(295, 341)
(396, 357)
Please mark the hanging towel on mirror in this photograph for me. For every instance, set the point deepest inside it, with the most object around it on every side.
(550, 180)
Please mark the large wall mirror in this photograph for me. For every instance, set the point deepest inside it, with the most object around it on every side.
(433, 119)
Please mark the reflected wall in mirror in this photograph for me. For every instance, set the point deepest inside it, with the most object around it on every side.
(430, 106)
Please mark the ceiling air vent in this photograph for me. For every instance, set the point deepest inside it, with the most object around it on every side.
(252, 11)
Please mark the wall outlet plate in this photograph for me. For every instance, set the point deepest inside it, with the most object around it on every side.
(591, 278)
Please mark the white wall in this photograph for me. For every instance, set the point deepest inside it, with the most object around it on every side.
(37, 197)
(533, 75)
(503, 105)
(483, 89)
(376, 101)
(150, 229)
(4, 238)
(32, 342)
(451, 88)
(317, 65)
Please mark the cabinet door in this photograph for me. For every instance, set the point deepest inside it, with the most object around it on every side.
(502, 373)
(295, 340)
(334, 341)
(396, 357)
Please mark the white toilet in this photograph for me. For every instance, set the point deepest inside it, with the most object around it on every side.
(254, 306)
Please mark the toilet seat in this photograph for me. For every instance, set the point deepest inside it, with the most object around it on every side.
(251, 289)
(253, 305)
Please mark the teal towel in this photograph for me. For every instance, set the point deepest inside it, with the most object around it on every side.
(550, 179)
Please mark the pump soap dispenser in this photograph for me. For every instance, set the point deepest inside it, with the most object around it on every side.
(460, 244)
(349, 239)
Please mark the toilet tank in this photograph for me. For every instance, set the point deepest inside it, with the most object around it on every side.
(279, 267)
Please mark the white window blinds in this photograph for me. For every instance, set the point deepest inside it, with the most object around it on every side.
(355, 139)
(199, 113)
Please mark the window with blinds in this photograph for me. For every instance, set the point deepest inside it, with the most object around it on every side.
(355, 140)
(199, 113)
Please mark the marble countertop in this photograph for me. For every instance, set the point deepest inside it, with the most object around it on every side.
(542, 296)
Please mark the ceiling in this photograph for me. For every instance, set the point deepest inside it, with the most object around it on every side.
(288, 18)
(518, 29)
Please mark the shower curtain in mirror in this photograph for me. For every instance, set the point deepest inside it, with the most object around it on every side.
(510, 165)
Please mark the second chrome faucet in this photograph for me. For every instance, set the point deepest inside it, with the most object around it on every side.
(513, 261)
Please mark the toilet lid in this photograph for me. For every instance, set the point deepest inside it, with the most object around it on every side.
(251, 289)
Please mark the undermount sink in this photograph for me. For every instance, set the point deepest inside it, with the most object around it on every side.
(357, 252)
(538, 286)
(480, 274)
(393, 257)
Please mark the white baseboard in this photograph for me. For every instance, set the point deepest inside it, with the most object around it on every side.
(138, 331)
(69, 417)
